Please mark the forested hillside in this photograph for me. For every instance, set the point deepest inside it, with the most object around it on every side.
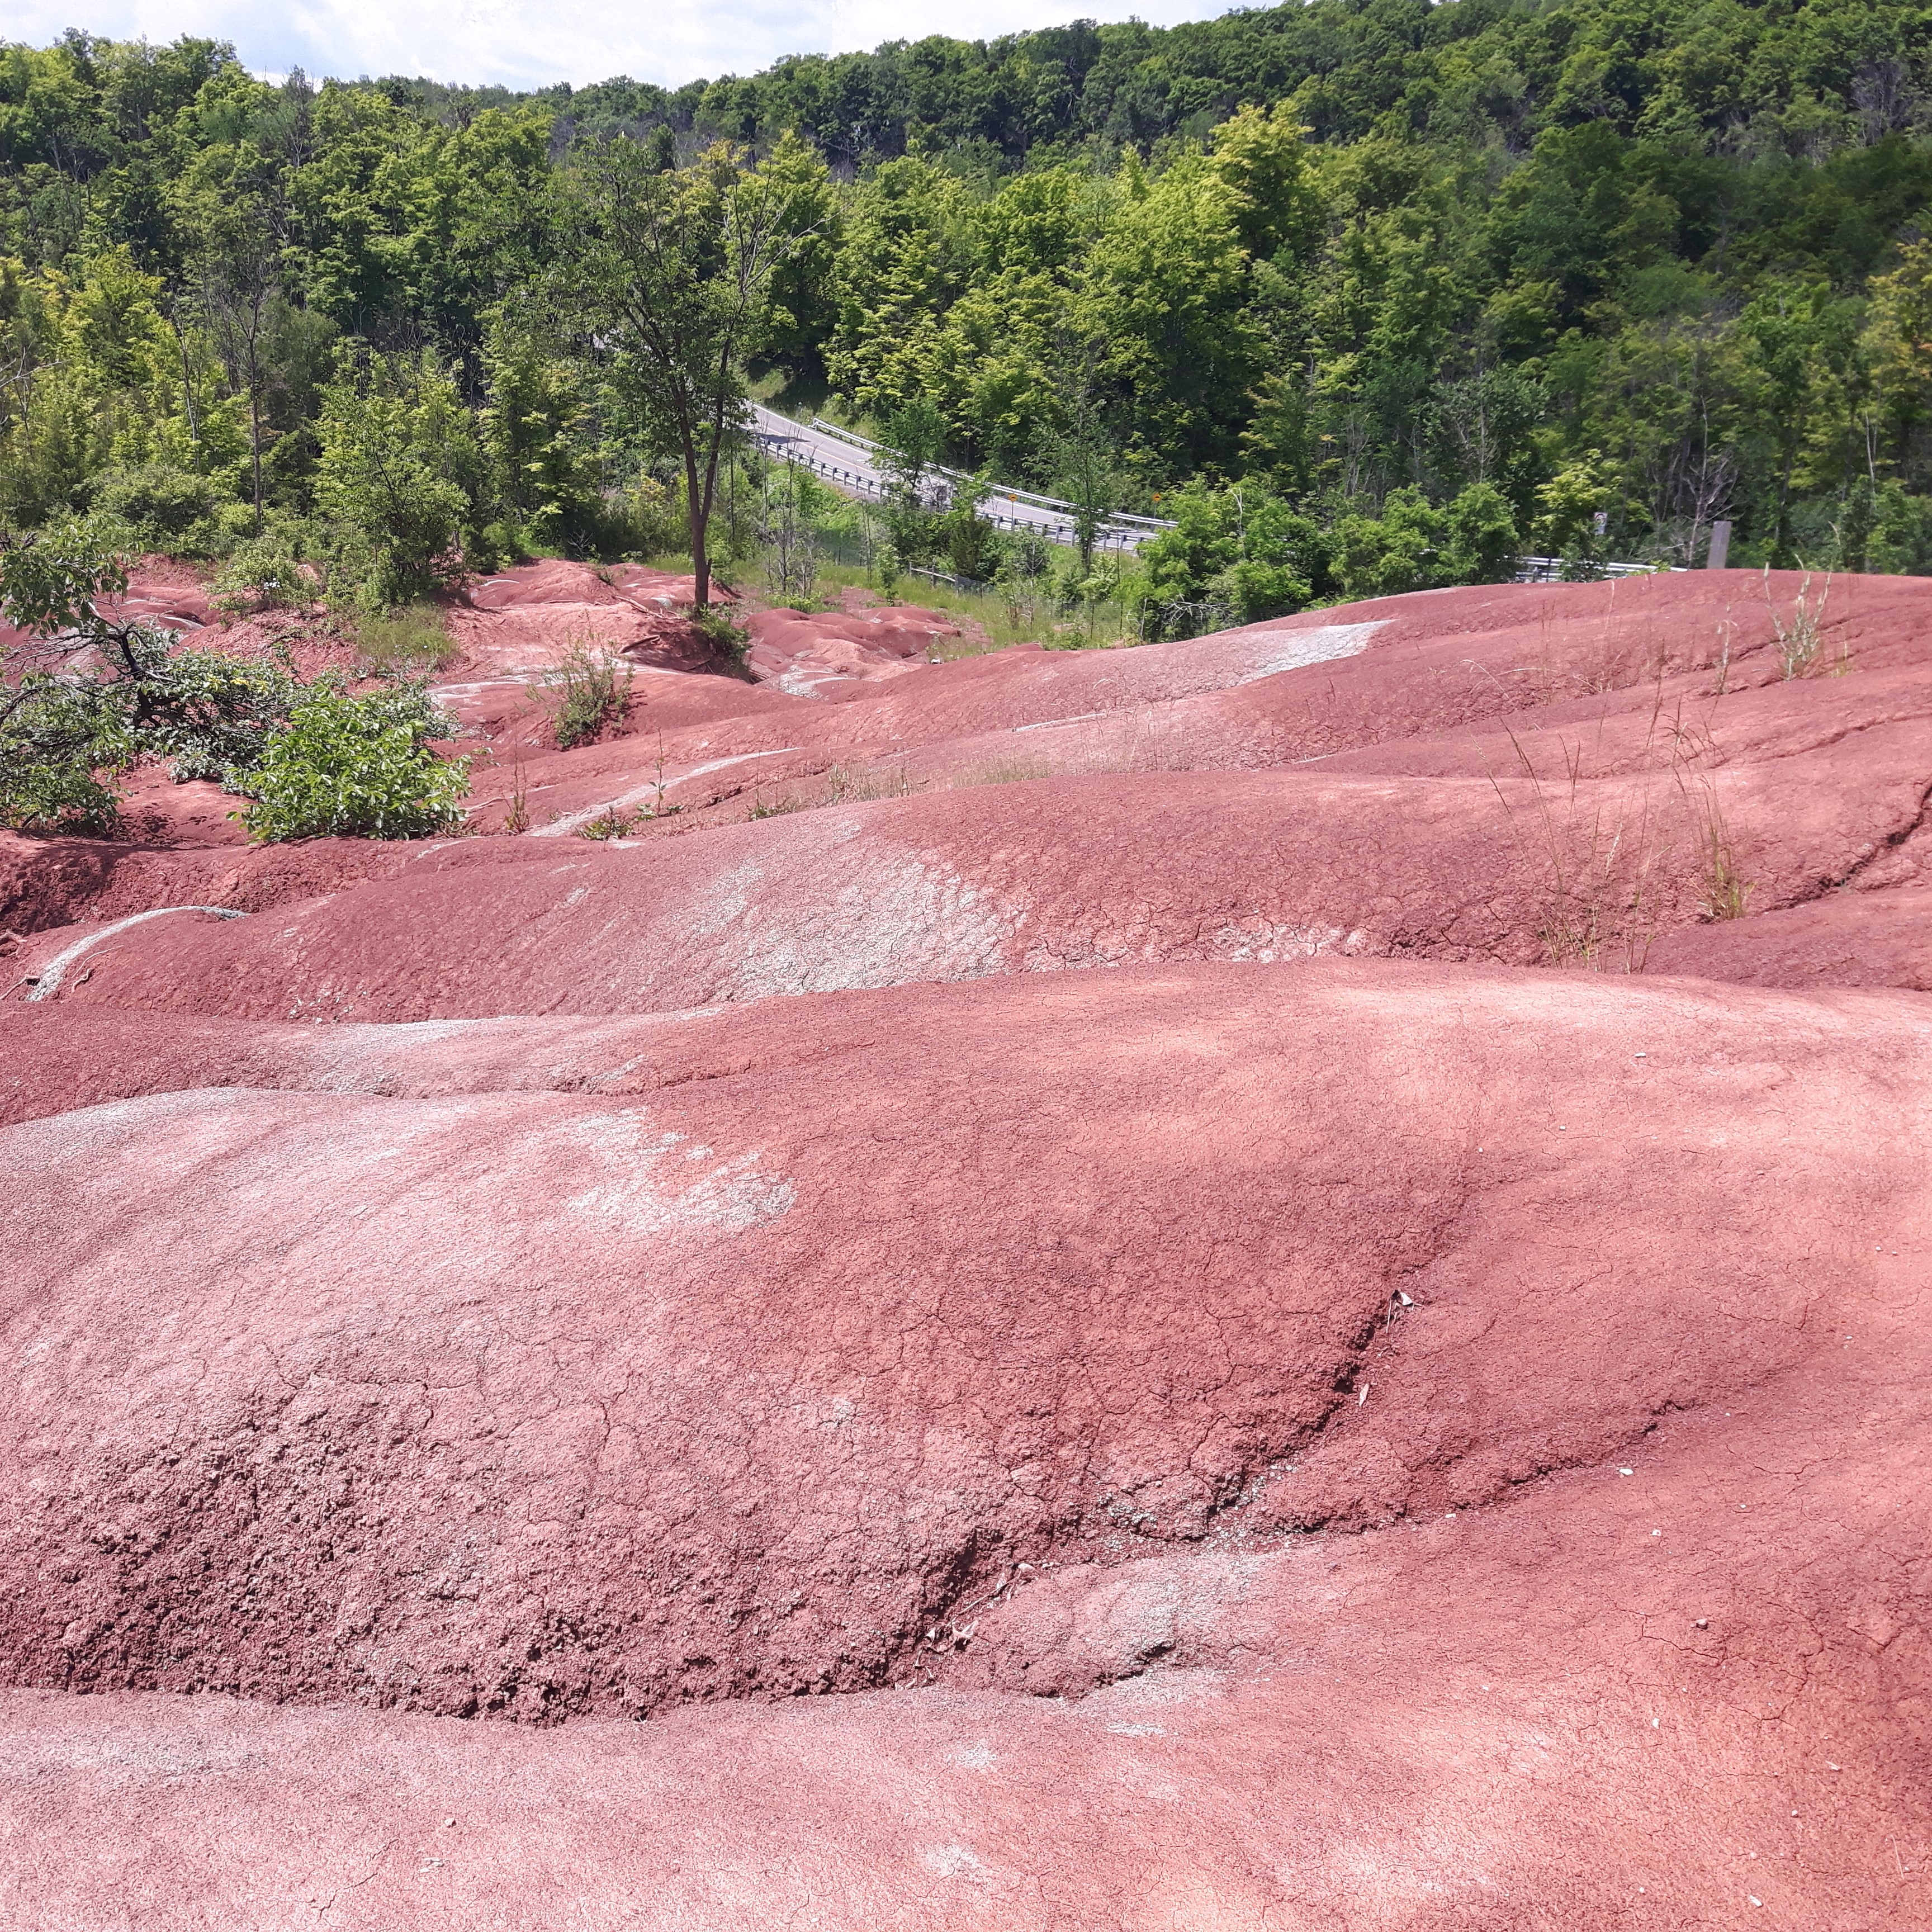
(1371, 293)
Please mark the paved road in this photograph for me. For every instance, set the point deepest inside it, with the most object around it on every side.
(852, 467)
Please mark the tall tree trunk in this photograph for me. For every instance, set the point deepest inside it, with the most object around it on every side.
(188, 387)
(255, 439)
(697, 515)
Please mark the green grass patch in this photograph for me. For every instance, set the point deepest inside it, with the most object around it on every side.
(414, 638)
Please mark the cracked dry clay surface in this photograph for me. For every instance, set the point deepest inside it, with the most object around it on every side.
(710, 1384)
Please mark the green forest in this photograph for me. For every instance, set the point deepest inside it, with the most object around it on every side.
(1366, 296)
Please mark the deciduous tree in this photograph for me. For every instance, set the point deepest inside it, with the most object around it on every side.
(667, 272)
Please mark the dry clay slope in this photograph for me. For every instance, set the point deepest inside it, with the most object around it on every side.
(1340, 1443)
(1469, 797)
(1024, 1336)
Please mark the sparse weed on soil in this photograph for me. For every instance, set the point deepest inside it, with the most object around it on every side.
(1009, 771)
(517, 816)
(762, 807)
(618, 821)
(836, 786)
(613, 822)
(1726, 893)
(1607, 852)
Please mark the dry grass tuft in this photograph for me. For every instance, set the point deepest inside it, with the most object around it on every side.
(1614, 858)
(836, 786)
(1801, 637)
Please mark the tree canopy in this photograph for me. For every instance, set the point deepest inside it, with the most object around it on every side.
(1633, 264)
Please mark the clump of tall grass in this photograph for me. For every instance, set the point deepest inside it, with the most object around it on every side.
(413, 638)
(1608, 851)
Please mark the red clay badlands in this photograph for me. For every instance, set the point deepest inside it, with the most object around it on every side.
(1252, 1438)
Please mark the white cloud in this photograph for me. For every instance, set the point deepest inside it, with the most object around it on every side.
(530, 43)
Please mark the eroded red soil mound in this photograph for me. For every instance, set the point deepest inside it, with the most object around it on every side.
(530, 618)
(51, 882)
(1237, 866)
(1334, 1423)
(1570, 774)
(568, 1368)
(804, 654)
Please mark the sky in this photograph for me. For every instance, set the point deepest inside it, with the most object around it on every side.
(525, 44)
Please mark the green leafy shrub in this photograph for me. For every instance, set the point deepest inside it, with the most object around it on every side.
(724, 634)
(262, 573)
(1901, 537)
(58, 798)
(643, 520)
(504, 542)
(399, 471)
(1257, 588)
(167, 508)
(1483, 544)
(1234, 555)
(62, 736)
(358, 767)
(64, 732)
(585, 695)
(537, 429)
(972, 546)
(60, 749)
(50, 580)
(1284, 557)
(1569, 505)
(1386, 556)
(212, 714)
(315, 760)
(1414, 546)
(613, 822)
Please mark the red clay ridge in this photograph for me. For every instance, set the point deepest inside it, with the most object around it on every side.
(1279, 1280)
